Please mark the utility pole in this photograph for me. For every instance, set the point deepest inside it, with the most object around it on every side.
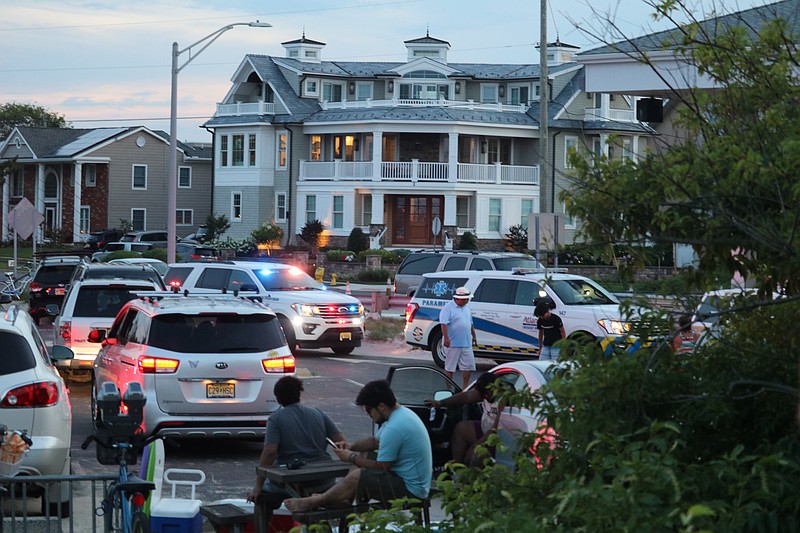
(544, 97)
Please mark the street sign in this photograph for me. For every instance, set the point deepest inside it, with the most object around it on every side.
(436, 226)
(24, 218)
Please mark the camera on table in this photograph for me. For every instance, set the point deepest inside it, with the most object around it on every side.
(116, 425)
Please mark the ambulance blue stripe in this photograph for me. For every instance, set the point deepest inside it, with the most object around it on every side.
(505, 331)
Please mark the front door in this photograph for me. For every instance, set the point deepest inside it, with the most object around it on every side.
(413, 217)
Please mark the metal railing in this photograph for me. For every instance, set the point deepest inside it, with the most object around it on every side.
(23, 513)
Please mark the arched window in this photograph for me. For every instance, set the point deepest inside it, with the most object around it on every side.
(51, 186)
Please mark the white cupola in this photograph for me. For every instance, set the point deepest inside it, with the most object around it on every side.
(427, 47)
(304, 49)
(559, 53)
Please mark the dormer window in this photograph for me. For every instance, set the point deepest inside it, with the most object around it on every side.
(331, 92)
(489, 93)
(426, 53)
(294, 54)
(310, 54)
(312, 88)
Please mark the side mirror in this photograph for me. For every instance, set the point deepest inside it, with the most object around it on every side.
(52, 309)
(440, 395)
(61, 353)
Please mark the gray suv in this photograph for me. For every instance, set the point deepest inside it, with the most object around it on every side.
(409, 274)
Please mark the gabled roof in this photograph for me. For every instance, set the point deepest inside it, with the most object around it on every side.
(426, 40)
(751, 19)
(65, 142)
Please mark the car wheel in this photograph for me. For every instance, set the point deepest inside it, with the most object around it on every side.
(341, 350)
(95, 412)
(578, 342)
(437, 348)
(288, 330)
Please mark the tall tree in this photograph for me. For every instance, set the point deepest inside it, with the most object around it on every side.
(14, 114)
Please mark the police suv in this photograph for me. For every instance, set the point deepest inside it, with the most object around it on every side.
(502, 310)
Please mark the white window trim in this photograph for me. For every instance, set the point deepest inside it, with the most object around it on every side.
(278, 135)
(305, 208)
(93, 181)
(343, 91)
(496, 87)
(566, 147)
(254, 150)
(144, 219)
(191, 213)
(179, 178)
(241, 208)
(308, 91)
(88, 228)
(369, 84)
(285, 207)
(133, 178)
(500, 215)
(334, 212)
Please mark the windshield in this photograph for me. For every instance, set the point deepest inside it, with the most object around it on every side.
(581, 292)
(508, 263)
(104, 301)
(210, 333)
(286, 279)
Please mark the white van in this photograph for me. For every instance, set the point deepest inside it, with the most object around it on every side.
(502, 310)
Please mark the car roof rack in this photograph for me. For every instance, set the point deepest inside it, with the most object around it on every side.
(524, 270)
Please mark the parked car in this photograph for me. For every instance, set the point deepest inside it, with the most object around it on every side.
(49, 283)
(413, 384)
(414, 265)
(502, 310)
(311, 316)
(207, 363)
(92, 304)
(34, 398)
(714, 308)
(158, 239)
(96, 240)
(108, 271)
(199, 236)
(160, 266)
(193, 252)
(120, 247)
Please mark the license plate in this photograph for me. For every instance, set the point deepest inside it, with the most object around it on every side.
(345, 336)
(60, 291)
(220, 390)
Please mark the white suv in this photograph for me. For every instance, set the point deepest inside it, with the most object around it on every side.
(92, 304)
(502, 310)
(207, 364)
(34, 399)
(311, 316)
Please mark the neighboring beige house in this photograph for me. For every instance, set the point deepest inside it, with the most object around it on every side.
(84, 180)
(391, 147)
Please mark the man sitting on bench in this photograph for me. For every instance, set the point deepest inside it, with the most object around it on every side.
(404, 463)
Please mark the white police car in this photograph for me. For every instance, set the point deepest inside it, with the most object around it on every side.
(502, 310)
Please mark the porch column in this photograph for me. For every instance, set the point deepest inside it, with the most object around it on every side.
(6, 194)
(452, 157)
(77, 178)
(377, 158)
(38, 233)
(605, 105)
(449, 210)
(377, 208)
(604, 147)
(635, 148)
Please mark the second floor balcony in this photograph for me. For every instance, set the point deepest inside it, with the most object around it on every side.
(419, 171)
(245, 108)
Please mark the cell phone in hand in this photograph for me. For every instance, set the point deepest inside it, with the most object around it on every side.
(333, 444)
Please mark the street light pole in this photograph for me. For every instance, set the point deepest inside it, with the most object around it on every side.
(172, 183)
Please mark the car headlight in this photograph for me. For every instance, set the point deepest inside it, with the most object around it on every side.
(614, 327)
(305, 309)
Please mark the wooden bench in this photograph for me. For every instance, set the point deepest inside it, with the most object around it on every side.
(226, 515)
(422, 511)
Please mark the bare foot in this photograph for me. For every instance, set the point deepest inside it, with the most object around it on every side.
(299, 505)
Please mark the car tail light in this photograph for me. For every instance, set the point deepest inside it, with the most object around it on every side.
(65, 331)
(279, 365)
(411, 310)
(158, 365)
(175, 283)
(35, 286)
(41, 394)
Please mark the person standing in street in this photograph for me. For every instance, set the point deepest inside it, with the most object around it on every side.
(295, 432)
(458, 335)
(551, 330)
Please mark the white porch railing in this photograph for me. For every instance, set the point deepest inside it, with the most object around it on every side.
(617, 115)
(414, 102)
(414, 171)
(245, 108)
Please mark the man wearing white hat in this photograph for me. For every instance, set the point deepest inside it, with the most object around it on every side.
(458, 335)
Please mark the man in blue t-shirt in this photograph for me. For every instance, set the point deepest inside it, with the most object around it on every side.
(458, 335)
(402, 468)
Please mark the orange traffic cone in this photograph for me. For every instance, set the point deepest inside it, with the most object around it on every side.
(347, 290)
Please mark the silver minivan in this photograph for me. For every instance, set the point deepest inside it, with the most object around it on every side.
(409, 273)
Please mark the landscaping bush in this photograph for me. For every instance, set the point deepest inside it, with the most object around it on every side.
(340, 255)
(374, 275)
(388, 257)
(156, 253)
(516, 239)
(467, 241)
(358, 241)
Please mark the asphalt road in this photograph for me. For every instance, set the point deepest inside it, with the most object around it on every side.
(331, 383)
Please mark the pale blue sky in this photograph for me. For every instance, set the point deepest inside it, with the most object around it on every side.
(101, 62)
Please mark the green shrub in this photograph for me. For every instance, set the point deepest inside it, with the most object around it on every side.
(340, 255)
(388, 257)
(358, 241)
(467, 241)
(156, 253)
(516, 239)
(374, 275)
